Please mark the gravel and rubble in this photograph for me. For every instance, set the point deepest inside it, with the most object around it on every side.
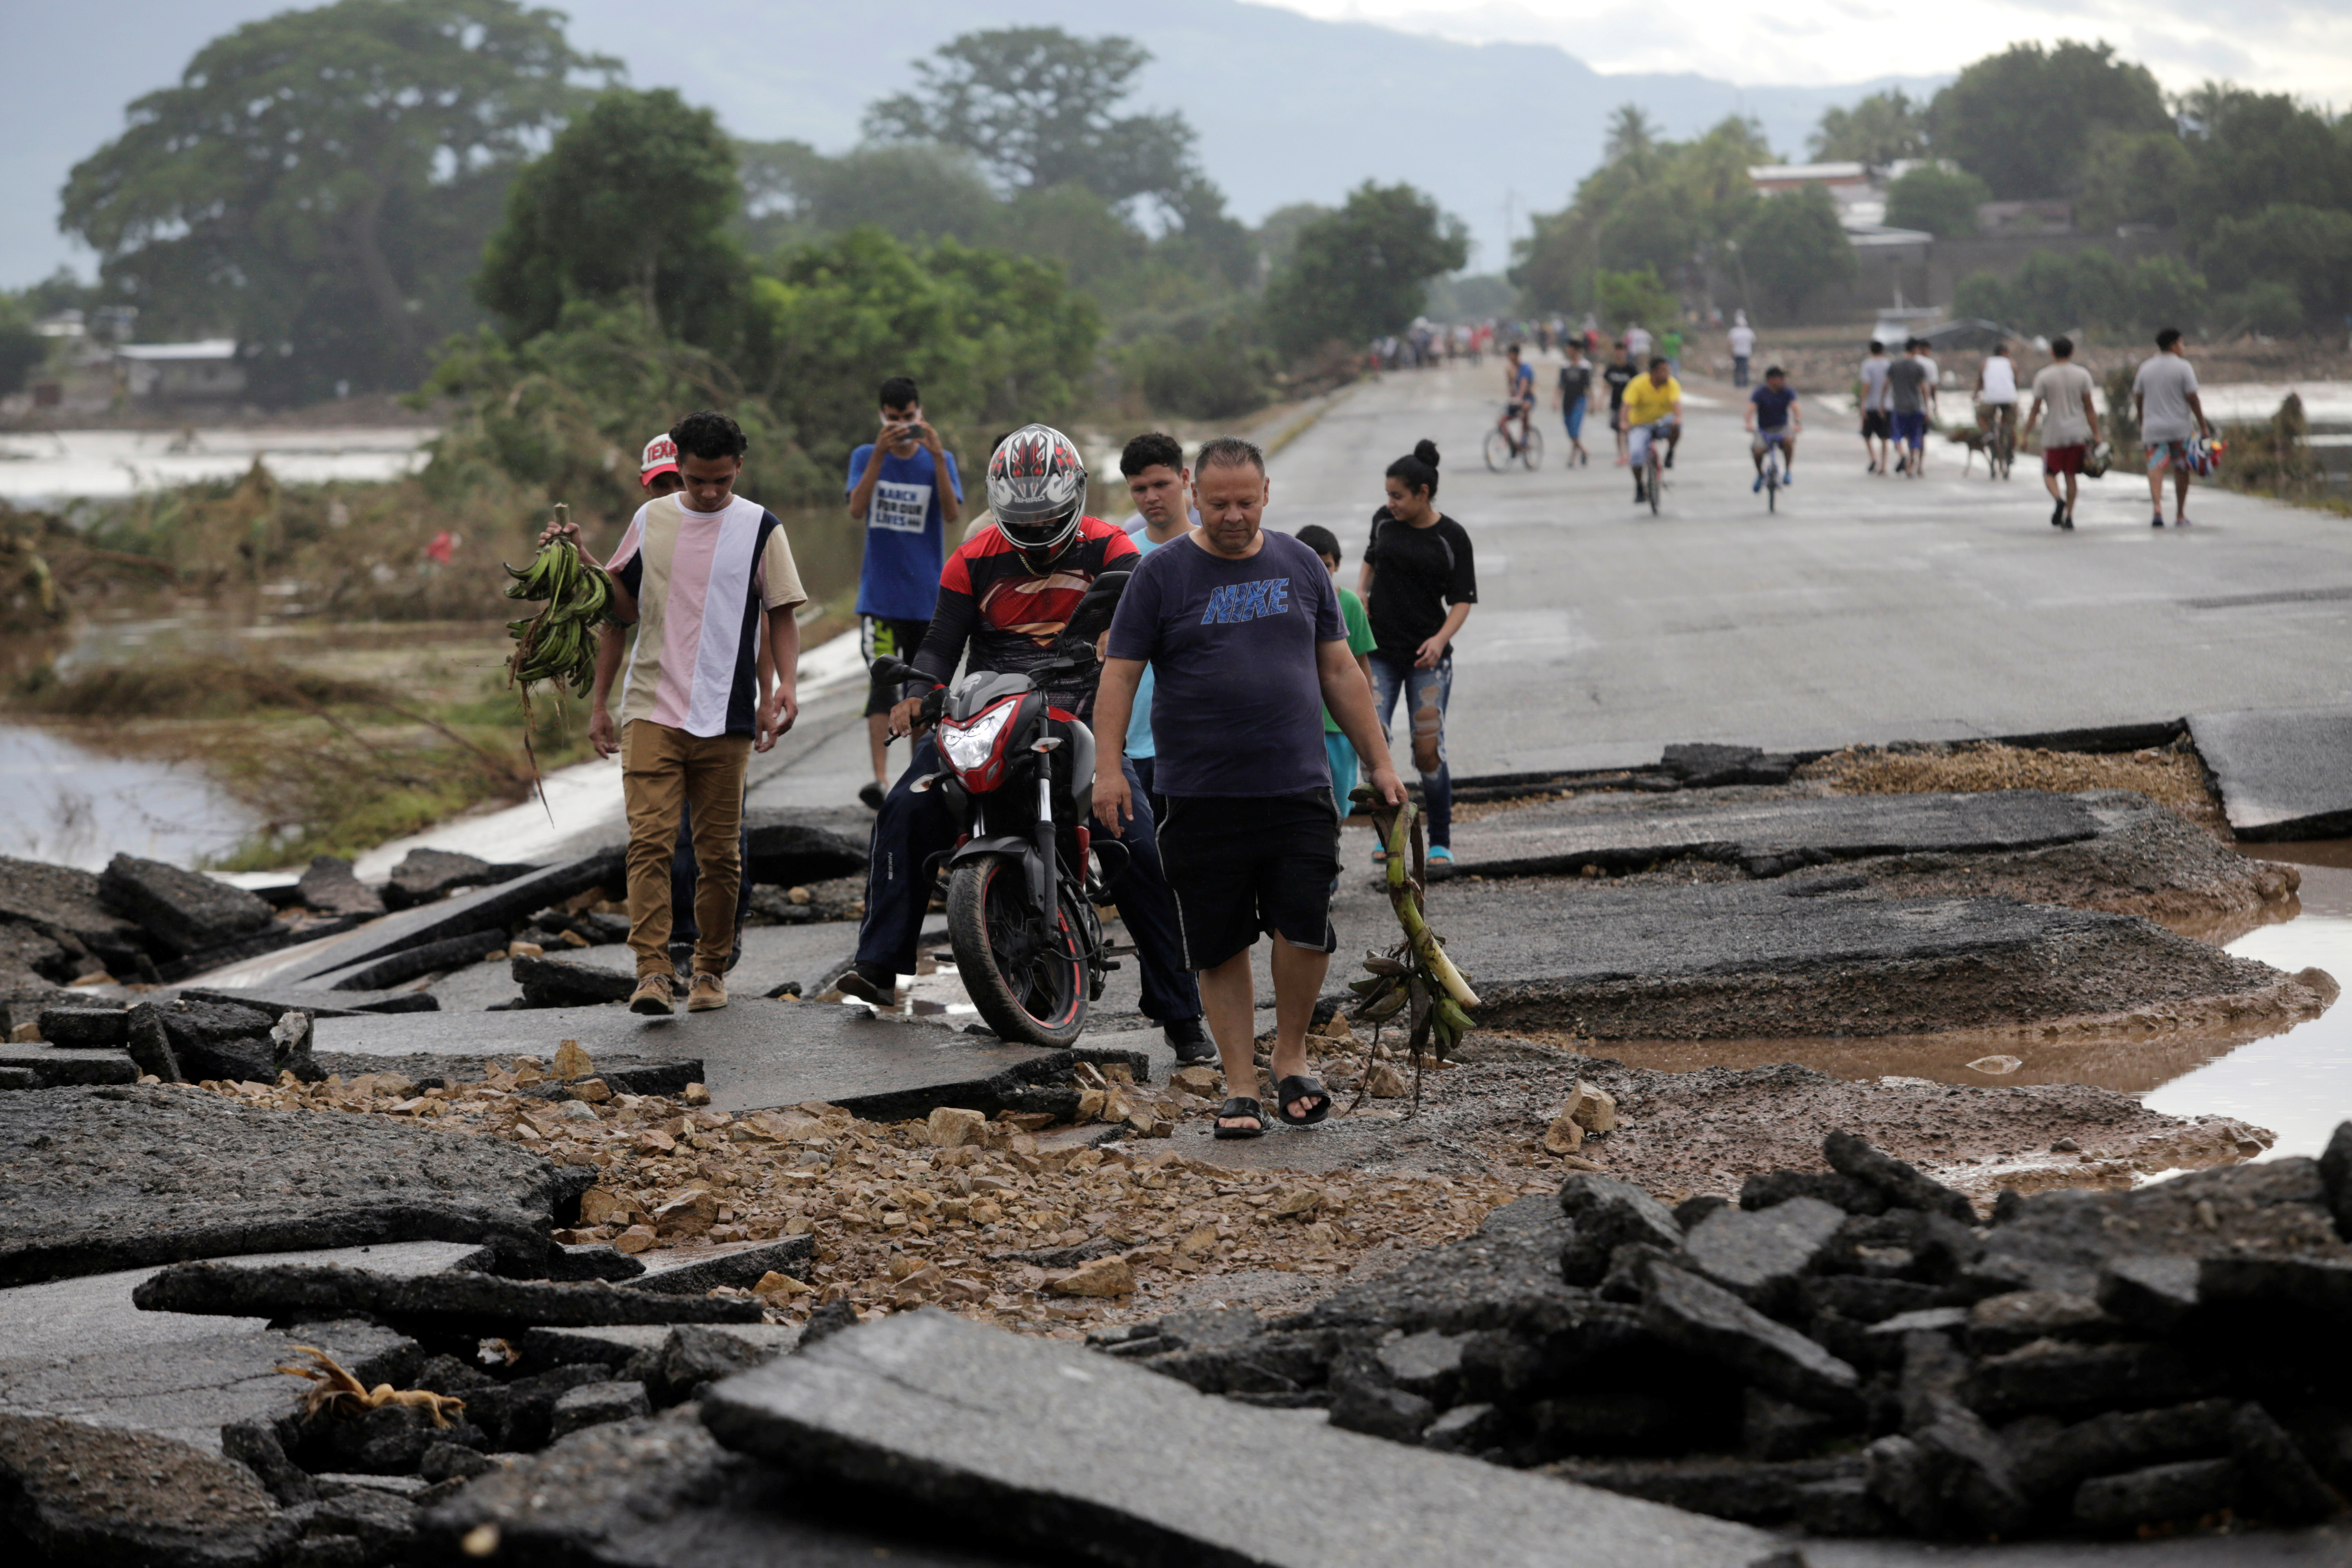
(1858, 1352)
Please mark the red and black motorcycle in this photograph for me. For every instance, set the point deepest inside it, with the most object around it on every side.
(1026, 873)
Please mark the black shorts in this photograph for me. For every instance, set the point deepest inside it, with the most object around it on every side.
(879, 636)
(1876, 425)
(1239, 866)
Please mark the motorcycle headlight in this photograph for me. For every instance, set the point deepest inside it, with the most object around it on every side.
(969, 747)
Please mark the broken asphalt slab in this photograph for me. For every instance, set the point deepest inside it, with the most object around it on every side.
(497, 906)
(2283, 773)
(96, 1180)
(754, 1053)
(810, 956)
(1039, 1443)
(1818, 955)
(238, 1287)
(1766, 836)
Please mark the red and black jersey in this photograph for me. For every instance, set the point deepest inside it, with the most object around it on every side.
(1011, 617)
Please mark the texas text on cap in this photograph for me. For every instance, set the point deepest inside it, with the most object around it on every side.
(661, 458)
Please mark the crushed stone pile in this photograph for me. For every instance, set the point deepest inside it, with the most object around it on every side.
(1856, 1352)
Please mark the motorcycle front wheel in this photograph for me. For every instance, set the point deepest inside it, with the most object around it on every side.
(1028, 982)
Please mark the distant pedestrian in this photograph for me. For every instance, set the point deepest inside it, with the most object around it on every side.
(906, 510)
(2063, 388)
(1342, 752)
(1637, 343)
(698, 573)
(2171, 416)
(1419, 581)
(1574, 391)
(1243, 629)
(1161, 486)
(1911, 395)
(1670, 345)
(1743, 347)
(1878, 423)
(1618, 375)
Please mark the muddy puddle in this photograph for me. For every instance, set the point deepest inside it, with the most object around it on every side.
(2295, 1081)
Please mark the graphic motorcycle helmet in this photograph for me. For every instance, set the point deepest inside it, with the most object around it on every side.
(1037, 489)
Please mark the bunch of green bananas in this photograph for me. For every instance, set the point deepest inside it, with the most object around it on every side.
(560, 642)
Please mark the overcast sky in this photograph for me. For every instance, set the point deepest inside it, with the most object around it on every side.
(2278, 45)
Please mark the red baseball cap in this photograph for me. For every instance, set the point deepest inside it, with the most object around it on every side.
(661, 458)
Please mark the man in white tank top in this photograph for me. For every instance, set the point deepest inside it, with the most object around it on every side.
(1997, 389)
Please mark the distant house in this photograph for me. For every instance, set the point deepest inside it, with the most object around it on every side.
(177, 372)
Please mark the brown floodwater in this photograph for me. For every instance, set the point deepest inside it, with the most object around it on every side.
(2295, 1080)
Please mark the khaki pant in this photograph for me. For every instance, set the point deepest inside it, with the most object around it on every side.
(660, 768)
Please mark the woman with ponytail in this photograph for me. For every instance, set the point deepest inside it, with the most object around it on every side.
(1418, 582)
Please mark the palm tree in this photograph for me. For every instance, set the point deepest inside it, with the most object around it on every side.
(1631, 132)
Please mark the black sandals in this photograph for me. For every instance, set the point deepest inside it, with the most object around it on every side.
(1234, 1109)
(1302, 1088)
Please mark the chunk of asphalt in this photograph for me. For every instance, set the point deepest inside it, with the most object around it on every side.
(660, 1492)
(424, 875)
(124, 1176)
(492, 908)
(1706, 1319)
(183, 911)
(190, 1389)
(2053, 1377)
(84, 1026)
(595, 1404)
(327, 887)
(1972, 1470)
(1505, 1276)
(459, 1299)
(2320, 1286)
(549, 982)
(1760, 1255)
(691, 1358)
(1904, 1184)
(2336, 1177)
(2155, 1291)
(2049, 1469)
(88, 1493)
(1766, 1188)
(743, 1267)
(1428, 1364)
(44, 1066)
(590, 1260)
(149, 1040)
(2018, 1317)
(2161, 1494)
(2278, 1479)
(2280, 772)
(616, 1344)
(1608, 1213)
(1752, 1491)
(1035, 1443)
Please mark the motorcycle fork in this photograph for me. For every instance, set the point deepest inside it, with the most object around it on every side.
(1045, 868)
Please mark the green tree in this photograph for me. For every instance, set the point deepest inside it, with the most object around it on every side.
(1363, 270)
(1986, 297)
(1038, 107)
(1659, 205)
(2022, 119)
(1632, 133)
(1205, 365)
(1885, 127)
(1652, 226)
(1941, 200)
(916, 192)
(1793, 248)
(21, 347)
(2166, 293)
(2252, 150)
(320, 181)
(2299, 248)
(631, 204)
(2133, 176)
(1625, 298)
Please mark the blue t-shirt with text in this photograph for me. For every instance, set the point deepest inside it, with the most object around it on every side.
(1237, 708)
(905, 546)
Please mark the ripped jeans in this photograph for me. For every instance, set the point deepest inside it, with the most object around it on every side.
(1426, 693)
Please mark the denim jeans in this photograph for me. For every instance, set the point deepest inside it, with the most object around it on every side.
(1427, 692)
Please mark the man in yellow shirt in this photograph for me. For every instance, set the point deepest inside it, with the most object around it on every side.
(1653, 407)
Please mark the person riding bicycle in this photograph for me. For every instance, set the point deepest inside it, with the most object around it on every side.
(1997, 392)
(1519, 389)
(1654, 411)
(1003, 600)
(1774, 419)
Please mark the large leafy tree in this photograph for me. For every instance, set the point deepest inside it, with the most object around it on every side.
(2252, 150)
(1885, 127)
(2022, 121)
(1793, 248)
(1654, 205)
(1039, 107)
(1363, 270)
(633, 204)
(1941, 200)
(318, 183)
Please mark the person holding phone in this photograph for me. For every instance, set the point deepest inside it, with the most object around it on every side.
(903, 486)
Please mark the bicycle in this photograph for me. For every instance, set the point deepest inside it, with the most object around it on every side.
(1774, 464)
(1526, 451)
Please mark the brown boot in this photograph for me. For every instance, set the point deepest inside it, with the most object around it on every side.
(656, 995)
(707, 995)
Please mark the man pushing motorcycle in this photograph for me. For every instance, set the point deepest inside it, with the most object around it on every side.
(1004, 600)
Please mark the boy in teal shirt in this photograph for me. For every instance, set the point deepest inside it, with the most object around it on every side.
(1326, 543)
